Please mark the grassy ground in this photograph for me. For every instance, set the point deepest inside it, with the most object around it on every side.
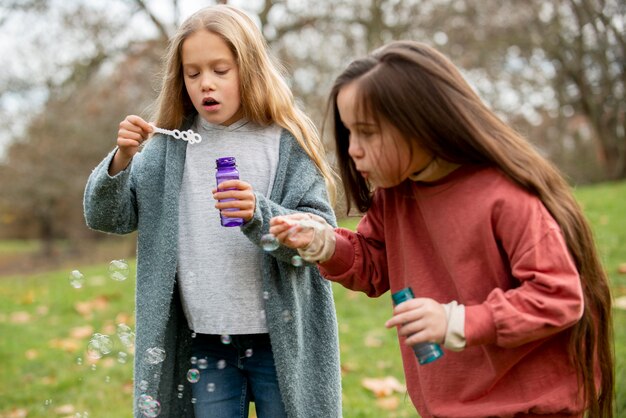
(46, 324)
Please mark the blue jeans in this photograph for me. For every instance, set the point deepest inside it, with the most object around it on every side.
(236, 373)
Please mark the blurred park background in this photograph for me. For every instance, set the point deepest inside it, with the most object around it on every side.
(72, 70)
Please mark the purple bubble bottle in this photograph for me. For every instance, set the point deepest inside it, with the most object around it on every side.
(227, 170)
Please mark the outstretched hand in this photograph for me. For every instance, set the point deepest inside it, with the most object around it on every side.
(310, 234)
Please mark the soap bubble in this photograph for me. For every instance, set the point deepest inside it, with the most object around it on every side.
(148, 406)
(287, 316)
(193, 360)
(249, 352)
(155, 355)
(296, 261)
(210, 387)
(193, 375)
(203, 363)
(226, 339)
(193, 400)
(126, 335)
(77, 279)
(221, 364)
(266, 295)
(118, 270)
(99, 345)
(143, 386)
(122, 357)
(181, 388)
(269, 242)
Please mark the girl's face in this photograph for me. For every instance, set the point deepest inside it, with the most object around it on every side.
(211, 77)
(379, 153)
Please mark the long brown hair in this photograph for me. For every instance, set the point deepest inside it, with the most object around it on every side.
(265, 96)
(421, 93)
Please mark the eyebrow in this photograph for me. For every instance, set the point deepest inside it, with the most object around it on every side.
(216, 61)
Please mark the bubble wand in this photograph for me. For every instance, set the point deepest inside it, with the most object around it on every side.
(188, 135)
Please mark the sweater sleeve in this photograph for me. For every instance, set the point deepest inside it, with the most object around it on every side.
(360, 260)
(547, 295)
(109, 202)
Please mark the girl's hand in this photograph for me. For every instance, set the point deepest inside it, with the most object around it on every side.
(290, 232)
(310, 234)
(420, 320)
(240, 197)
(132, 132)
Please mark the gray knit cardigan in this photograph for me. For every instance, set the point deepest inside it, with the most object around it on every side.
(144, 197)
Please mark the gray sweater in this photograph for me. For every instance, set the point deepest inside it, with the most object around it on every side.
(144, 197)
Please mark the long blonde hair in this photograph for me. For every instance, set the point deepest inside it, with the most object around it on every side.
(265, 96)
(423, 95)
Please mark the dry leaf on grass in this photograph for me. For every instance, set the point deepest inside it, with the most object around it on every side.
(85, 331)
(390, 403)
(620, 303)
(14, 413)
(383, 386)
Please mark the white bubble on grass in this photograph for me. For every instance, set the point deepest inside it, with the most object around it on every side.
(99, 345)
(77, 279)
(122, 357)
(119, 270)
(154, 355)
(269, 242)
(126, 335)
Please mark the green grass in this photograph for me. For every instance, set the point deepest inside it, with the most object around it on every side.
(40, 375)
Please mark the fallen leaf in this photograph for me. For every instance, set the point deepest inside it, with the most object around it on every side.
(66, 344)
(31, 354)
(383, 386)
(19, 317)
(372, 340)
(81, 332)
(390, 403)
(621, 269)
(65, 409)
(15, 413)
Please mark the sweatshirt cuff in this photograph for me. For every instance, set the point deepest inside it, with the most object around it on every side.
(455, 332)
(341, 260)
(480, 327)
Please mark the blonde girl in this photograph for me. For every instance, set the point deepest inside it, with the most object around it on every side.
(220, 322)
(486, 232)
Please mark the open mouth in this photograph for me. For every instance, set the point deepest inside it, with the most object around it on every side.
(210, 102)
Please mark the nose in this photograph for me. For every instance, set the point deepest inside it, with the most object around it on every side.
(208, 82)
(355, 151)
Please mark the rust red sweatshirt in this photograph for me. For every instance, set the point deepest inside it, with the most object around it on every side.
(476, 238)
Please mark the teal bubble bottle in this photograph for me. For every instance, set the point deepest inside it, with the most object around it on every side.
(227, 170)
(425, 352)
